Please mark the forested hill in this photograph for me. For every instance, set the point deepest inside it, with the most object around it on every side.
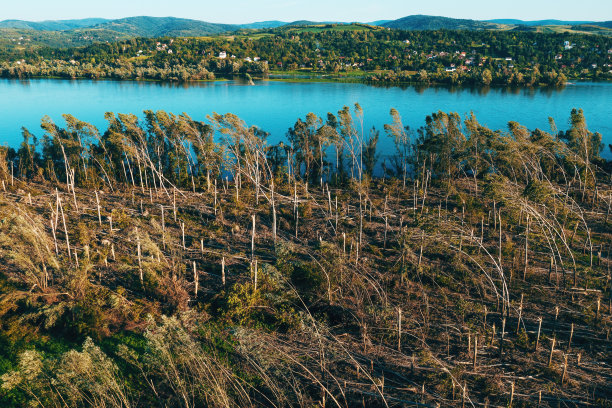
(143, 26)
(511, 21)
(52, 25)
(165, 26)
(263, 24)
(98, 29)
(422, 22)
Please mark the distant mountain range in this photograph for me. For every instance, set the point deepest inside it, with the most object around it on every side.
(141, 26)
(538, 22)
(605, 24)
(99, 28)
(422, 22)
(379, 22)
(263, 24)
(310, 23)
(52, 25)
(164, 26)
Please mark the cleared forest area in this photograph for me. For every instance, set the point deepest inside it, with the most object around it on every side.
(171, 262)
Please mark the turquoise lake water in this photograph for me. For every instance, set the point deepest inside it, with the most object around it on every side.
(275, 106)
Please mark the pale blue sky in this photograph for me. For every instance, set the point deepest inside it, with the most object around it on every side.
(243, 11)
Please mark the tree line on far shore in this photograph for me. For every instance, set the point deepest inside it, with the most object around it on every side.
(444, 56)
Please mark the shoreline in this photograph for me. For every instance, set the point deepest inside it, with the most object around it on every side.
(320, 78)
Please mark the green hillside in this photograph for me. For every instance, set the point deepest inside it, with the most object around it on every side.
(52, 25)
(510, 21)
(317, 28)
(28, 39)
(164, 26)
(421, 22)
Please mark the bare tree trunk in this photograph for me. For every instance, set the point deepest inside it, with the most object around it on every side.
(174, 202)
(223, 271)
(475, 351)
(183, 234)
(421, 250)
(336, 215)
(139, 257)
(399, 329)
(538, 336)
(59, 201)
(526, 248)
(273, 212)
(552, 349)
(215, 204)
(163, 222)
(253, 238)
(98, 208)
(255, 274)
(500, 240)
(196, 279)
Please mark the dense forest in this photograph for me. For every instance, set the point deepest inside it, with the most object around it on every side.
(167, 261)
(516, 58)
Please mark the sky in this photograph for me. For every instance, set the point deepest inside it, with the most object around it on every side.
(244, 11)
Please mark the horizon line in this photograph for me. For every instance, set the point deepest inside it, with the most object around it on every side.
(303, 19)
